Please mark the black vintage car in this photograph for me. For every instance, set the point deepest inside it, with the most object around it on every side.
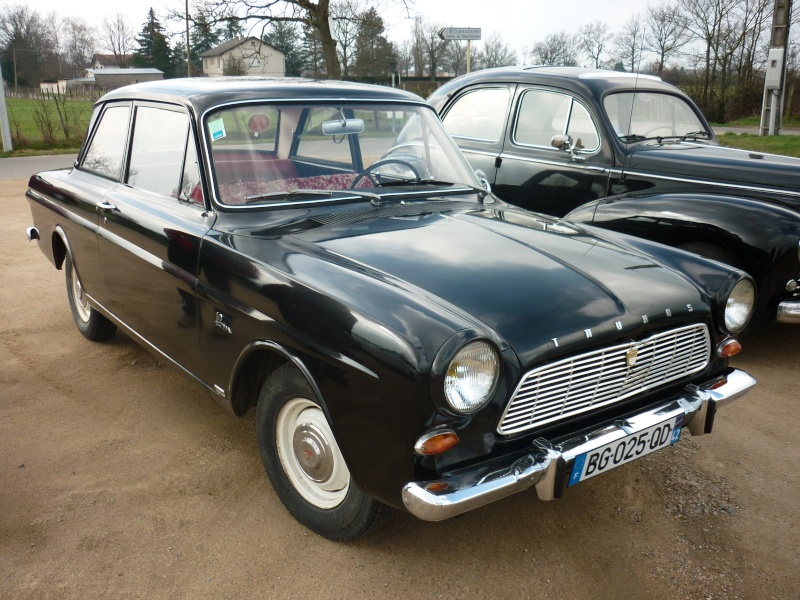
(322, 252)
(632, 154)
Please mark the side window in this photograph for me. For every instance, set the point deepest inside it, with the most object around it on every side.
(479, 115)
(157, 152)
(107, 147)
(541, 116)
(582, 129)
(191, 188)
(545, 114)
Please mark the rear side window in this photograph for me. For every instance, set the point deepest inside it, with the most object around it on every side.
(479, 115)
(157, 152)
(107, 147)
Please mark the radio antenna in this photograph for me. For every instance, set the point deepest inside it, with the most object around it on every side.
(636, 81)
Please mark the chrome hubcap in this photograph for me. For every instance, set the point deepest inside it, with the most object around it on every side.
(81, 302)
(309, 455)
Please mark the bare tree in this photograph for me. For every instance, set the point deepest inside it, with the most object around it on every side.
(404, 58)
(345, 17)
(431, 46)
(557, 49)
(79, 45)
(593, 40)
(666, 32)
(495, 53)
(118, 37)
(629, 42)
(455, 57)
(25, 42)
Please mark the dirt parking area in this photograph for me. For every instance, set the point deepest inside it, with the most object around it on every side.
(121, 479)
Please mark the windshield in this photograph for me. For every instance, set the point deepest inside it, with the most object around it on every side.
(279, 152)
(643, 115)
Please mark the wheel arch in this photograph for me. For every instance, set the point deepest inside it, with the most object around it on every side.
(60, 247)
(255, 364)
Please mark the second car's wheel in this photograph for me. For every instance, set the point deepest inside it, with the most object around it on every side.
(304, 464)
(90, 323)
(710, 250)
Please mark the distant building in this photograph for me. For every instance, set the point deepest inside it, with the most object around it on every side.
(255, 58)
(107, 61)
(113, 78)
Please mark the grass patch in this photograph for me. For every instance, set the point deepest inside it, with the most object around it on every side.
(27, 134)
(755, 121)
(787, 145)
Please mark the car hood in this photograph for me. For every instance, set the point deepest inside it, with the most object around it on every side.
(716, 163)
(538, 283)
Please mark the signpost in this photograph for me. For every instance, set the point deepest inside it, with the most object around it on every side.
(459, 34)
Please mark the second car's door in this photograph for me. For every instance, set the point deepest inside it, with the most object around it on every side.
(532, 173)
(151, 229)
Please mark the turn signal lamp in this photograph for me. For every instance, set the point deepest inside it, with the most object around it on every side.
(729, 348)
(436, 442)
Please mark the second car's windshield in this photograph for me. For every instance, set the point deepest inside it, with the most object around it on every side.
(263, 153)
(643, 115)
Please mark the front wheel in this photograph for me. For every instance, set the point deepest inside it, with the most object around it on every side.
(89, 322)
(304, 463)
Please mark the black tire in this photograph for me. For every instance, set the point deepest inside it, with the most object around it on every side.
(89, 322)
(318, 492)
(712, 251)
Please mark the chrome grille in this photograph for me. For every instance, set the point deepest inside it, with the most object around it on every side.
(589, 381)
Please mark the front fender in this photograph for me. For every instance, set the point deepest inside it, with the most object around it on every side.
(761, 236)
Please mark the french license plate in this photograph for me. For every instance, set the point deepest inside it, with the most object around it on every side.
(625, 450)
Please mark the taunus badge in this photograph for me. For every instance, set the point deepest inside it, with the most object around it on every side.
(631, 356)
(220, 322)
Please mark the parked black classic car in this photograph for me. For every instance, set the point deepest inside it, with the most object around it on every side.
(632, 154)
(322, 252)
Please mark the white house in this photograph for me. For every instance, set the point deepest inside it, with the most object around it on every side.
(255, 58)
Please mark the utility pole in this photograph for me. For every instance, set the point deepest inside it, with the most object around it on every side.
(188, 49)
(7, 144)
(775, 77)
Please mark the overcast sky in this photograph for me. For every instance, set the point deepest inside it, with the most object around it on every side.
(521, 22)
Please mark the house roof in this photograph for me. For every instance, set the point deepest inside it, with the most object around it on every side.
(119, 71)
(231, 44)
(108, 60)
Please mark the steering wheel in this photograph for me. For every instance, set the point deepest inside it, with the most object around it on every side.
(657, 127)
(386, 161)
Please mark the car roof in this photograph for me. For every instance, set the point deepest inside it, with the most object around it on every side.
(201, 93)
(590, 82)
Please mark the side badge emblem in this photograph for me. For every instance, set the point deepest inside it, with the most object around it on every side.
(631, 356)
(220, 322)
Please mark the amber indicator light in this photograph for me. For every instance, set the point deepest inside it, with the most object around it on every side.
(438, 443)
(729, 348)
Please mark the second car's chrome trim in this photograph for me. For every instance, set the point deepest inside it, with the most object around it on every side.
(547, 465)
(788, 311)
(722, 184)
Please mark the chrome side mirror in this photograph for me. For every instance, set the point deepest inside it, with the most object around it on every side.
(484, 180)
(564, 142)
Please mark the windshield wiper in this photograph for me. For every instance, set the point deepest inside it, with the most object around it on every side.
(431, 181)
(371, 196)
(634, 137)
(696, 134)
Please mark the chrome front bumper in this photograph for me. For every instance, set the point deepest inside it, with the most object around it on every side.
(788, 312)
(547, 466)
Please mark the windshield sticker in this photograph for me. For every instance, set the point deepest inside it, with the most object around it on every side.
(217, 129)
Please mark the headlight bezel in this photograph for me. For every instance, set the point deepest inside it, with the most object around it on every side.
(741, 286)
(461, 375)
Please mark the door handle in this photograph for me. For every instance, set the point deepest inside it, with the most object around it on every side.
(597, 169)
(106, 206)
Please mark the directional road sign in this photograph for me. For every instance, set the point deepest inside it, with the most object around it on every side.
(460, 33)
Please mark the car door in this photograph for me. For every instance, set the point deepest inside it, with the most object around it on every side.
(150, 235)
(537, 176)
(477, 119)
(99, 171)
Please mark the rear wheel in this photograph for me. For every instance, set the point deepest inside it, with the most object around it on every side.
(304, 463)
(89, 322)
(709, 250)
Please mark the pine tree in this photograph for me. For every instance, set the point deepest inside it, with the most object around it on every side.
(203, 36)
(376, 58)
(154, 50)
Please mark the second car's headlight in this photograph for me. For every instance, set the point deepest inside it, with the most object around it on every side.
(471, 377)
(739, 305)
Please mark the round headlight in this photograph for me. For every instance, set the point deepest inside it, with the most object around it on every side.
(739, 305)
(471, 377)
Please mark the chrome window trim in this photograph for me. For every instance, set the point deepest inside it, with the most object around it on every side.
(542, 161)
(573, 99)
